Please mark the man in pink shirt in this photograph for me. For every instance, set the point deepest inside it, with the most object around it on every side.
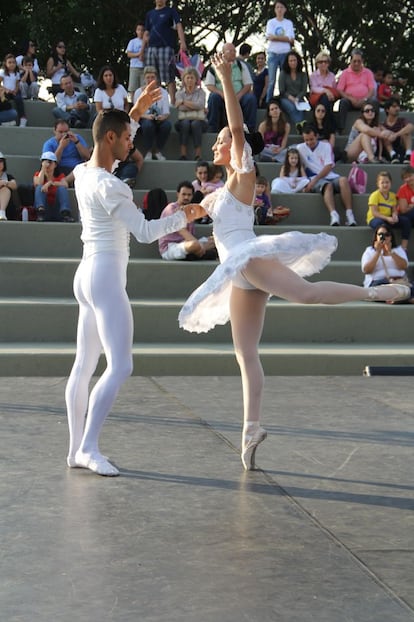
(356, 86)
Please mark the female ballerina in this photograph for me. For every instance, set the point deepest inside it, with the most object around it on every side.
(252, 268)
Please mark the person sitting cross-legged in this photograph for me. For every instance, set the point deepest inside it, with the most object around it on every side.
(183, 244)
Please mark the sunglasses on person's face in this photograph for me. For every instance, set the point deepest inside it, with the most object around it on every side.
(369, 110)
(385, 234)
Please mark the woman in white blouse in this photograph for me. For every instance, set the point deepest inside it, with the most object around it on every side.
(109, 94)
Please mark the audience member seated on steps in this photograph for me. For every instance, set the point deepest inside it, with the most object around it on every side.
(190, 101)
(28, 49)
(366, 136)
(153, 203)
(10, 80)
(7, 185)
(260, 80)
(384, 261)
(129, 168)
(293, 88)
(405, 194)
(318, 162)
(58, 65)
(275, 131)
(183, 244)
(155, 125)
(109, 94)
(292, 174)
(199, 183)
(382, 209)
(8, 115)
(323, 87)
(397, 147)
(51, 191)
(242, 83)
(356, 87)
(72, 106)
(29, 86)
(70, 148)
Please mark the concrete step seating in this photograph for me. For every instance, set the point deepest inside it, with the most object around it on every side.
(38, 312)
(38, 315)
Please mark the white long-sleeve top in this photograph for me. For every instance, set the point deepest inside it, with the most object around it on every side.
(108, 213)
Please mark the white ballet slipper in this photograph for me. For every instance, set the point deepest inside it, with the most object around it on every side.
(96, 463)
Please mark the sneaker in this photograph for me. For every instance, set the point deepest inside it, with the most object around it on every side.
(67, 217)
(395, 160)
(40, 214)
(23, 122)
(148, 157)
(407, 158)
(350, 219)
(299, 126)
(130, 181)
(183, 157)
(248, 452)
(159, 156)
(335, 222)
(3, 215)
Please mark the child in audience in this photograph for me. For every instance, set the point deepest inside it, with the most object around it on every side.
(135, 52)
(382, 208)
(29, 86)
(385, 90)
(262, 206)
(265, 214)
(292, 174)
(10, 79)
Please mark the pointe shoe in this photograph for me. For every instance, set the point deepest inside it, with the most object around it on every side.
(249, 450)
(396, 291)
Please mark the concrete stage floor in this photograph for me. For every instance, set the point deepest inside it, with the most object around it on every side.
(323, 532)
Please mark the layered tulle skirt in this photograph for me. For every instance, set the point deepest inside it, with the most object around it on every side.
(304, 253)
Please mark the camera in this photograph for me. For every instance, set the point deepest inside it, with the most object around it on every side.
(382, 237)
(67, 136)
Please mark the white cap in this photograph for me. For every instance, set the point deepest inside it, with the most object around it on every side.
(49, 155)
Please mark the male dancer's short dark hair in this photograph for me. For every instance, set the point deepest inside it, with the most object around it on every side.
(109, 120)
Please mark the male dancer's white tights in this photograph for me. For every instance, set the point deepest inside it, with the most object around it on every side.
(105, 322)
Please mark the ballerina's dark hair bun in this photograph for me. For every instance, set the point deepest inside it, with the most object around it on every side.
(256, 142)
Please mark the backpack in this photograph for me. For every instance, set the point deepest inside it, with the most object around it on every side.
(357, 179)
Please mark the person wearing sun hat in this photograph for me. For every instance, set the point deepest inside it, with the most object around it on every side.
(51, 191)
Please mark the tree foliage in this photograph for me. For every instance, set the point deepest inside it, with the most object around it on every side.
(96, 32)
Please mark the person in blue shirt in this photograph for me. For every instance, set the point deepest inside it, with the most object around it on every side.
(161, 26)
(70, 148)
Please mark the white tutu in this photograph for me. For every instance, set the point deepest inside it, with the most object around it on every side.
(304, 253)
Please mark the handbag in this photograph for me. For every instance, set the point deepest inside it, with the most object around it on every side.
(357, 179)
(193, 115)
(399, 280)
